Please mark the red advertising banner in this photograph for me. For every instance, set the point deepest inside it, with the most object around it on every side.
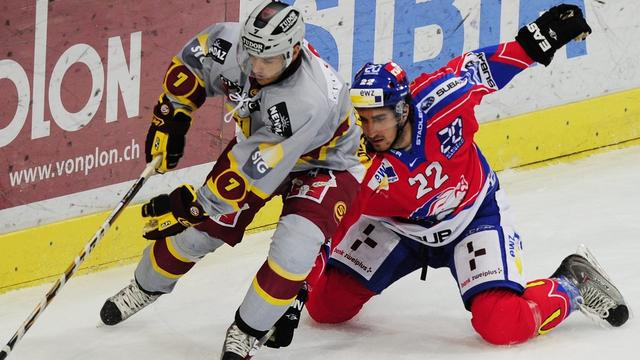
(78, 81)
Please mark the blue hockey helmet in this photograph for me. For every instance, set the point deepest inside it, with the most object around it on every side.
(378, 85)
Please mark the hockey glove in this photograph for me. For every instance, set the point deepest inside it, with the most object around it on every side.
(551, 31)
(166, 134)
(286, 325)
(173, 213)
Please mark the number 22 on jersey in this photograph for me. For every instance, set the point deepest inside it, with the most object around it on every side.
(432, 175)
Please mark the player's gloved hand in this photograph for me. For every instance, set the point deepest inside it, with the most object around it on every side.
(170, 214)
(286, 325)
(551, 31)
(166, 134)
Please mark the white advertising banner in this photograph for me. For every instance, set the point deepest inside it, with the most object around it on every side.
(77, 83)
(422, 35)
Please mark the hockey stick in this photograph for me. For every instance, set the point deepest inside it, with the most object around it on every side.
(73, 267)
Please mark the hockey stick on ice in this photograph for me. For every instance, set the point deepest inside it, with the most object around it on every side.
(73, 267)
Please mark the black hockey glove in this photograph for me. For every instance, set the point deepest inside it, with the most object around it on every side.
(286, 325)
(551, 31)
(166, 135)
(173, 213)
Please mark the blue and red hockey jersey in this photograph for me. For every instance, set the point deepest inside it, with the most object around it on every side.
(441, 181)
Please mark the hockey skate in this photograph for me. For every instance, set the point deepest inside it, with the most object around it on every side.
(125, 303)
(239, 345)
(601, 300)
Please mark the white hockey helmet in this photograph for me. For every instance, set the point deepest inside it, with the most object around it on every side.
(273, 28)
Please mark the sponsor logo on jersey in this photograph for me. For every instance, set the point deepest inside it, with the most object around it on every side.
(339, 209)
(230, 87)
(193, 54)
(252, 45)
(441, 92)
(451, 139)
(419, 130)
(288, 21)
(384, 175)
(256, 167)
(427, 103)
(279, 118)
(515, 250)
(219, 50)
(487, 77)
(353, 259)
(437, 237)
(448, 86)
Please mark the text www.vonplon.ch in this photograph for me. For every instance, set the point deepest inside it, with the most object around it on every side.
(79, 164)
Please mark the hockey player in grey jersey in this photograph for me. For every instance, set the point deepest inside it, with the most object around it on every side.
(297, 138)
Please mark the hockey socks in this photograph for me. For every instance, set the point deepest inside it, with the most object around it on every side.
(503, 317)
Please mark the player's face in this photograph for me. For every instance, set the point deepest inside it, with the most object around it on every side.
(380, 127)
(267, 70)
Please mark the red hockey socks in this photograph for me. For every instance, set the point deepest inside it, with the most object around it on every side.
(335, 296)
(503, 317)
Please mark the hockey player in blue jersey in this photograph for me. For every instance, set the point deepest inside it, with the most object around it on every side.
(431, 199)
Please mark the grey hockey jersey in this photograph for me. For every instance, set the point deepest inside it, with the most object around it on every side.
(301, 122)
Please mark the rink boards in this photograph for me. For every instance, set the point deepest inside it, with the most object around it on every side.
(39, 254)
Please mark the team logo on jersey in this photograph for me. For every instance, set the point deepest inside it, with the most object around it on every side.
(219, 50)
(451, 139)
(478, 69)
(280, 122)
(313, 186)
(446, 202)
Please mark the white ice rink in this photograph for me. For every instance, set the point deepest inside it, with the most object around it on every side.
(594, 201)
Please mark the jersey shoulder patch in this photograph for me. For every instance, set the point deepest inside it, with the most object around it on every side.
(219, 50)
(193, 54)
(279, 119)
